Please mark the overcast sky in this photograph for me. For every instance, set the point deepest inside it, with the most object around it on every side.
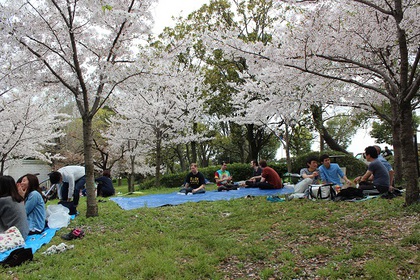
(165, 9)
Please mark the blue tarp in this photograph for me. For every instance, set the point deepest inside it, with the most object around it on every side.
(157, 200)
(34, 241)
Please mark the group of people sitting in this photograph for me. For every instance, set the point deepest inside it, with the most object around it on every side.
(264, 177)
(378, 179)
(22, 202)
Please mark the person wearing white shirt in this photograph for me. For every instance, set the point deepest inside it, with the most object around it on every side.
(70, 180)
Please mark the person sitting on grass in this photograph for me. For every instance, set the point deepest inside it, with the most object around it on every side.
(270, 179)
(105, 187)
(387, 165)
(310, 176)
(331, 172)
(34, 203)
(256, 175)
(224, 179)
(12, 209)
(194, 182)
(376, 171)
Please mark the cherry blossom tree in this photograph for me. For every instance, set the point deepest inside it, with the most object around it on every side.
(30, 122)
(29, 126)
(343, 52)
(373, 47)
(81, 48)
(161, 112)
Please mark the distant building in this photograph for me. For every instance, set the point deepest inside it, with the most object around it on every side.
(24, 166)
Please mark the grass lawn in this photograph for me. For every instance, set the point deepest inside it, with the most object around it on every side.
(238, 239)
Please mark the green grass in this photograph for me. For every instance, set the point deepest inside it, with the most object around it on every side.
(237, 239)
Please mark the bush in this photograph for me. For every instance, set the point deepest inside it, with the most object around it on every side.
(239, 172)
(242, 171)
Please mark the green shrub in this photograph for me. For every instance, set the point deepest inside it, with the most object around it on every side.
(242, 171)
(239, 172)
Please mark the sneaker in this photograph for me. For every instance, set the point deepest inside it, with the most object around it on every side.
(289, 197)
(275, 198)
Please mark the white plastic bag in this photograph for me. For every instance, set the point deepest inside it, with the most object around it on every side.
(58, 220)
(57, 216)
(58, 208)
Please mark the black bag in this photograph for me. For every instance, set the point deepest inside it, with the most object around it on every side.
(70, 205)
(350, 193)
(18, 256)
(325, 191)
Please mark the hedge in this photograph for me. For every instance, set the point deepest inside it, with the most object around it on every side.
(239, 172)
(242, 171)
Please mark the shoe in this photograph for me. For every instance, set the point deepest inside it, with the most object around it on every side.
(275, 198)
(289, 197)
(74, 234)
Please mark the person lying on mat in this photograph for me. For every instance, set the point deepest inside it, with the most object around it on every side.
(194, 182)
(270, 179)
(224, 179)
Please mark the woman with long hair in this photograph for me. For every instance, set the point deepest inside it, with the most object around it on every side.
(12, 209)
(34, 203)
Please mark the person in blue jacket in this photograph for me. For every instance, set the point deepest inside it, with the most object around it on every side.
(34, 203)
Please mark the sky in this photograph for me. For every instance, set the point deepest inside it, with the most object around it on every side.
(165, 9)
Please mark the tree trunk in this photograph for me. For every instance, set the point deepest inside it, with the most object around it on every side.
(2, 168)
(319, 125)
(194, 157)
(180, 154)
(396, 138)
(131, 175)
(92, 206)
(409, 166)
(158, 156)
(253, 149)
(287, 148)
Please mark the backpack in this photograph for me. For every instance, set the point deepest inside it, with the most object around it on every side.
(325, 191)
(17, 257)
(350, 193)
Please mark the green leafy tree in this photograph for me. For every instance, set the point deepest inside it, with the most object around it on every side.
(342, 128)
(301, 140)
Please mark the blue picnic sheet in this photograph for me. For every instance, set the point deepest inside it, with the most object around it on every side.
(34, 241)
(157, 200)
